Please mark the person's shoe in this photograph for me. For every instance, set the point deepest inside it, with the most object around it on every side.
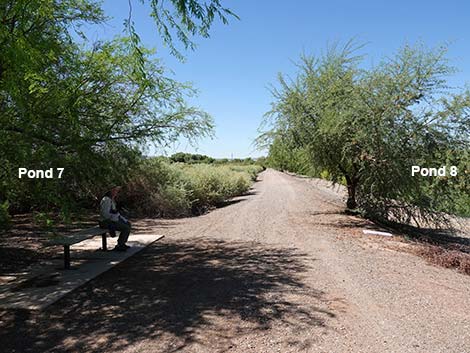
(127, 246)
(120, 248)
(112, 233)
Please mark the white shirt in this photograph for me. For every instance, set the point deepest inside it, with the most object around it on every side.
(106, 205)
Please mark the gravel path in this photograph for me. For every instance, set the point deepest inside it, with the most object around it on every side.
(279, 270)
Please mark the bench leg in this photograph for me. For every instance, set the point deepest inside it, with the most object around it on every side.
(67, 257)
(104, 246)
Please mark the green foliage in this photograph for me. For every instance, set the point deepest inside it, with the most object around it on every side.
(284, 155)
(186, 19)
(87, 109)
(44, 220)
(190, 158)
(370, 126)
(173, 190)
(251, 169)
(182, 157)
(453, 193)
(5, 220)
(236, 161)
(143, 192)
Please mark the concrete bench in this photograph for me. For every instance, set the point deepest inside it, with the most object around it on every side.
(68, 240)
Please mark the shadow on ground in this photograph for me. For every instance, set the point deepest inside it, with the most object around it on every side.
(443, 238)
(23, 244)
(147, 225)
(175, 290)
(237, 199)
(15, 259)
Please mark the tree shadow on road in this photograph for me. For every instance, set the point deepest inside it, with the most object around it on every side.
(176, 292)
(148, 225)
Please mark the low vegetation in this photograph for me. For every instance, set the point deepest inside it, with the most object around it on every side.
(156, 187)
(163, 189)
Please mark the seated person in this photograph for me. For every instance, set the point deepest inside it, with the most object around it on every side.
(111, 219)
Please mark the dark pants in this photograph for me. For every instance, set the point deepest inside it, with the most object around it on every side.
(123, 227)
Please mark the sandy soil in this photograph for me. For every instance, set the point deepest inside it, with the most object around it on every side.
(279, 270)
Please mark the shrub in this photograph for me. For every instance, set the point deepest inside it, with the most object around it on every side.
(44, 220)
(179, 189)
(173, 201)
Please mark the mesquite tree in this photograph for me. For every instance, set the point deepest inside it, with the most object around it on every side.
(88, 107)
(367, 127)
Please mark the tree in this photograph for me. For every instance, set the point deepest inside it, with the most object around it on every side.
(370, 126)
(64, 104)
(184, 19)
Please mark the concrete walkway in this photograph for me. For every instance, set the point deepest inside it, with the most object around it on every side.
(47, 282)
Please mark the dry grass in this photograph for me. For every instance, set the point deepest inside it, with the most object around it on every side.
(445, 247)
(446, 258)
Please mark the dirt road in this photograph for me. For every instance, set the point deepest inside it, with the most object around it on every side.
(279, 270)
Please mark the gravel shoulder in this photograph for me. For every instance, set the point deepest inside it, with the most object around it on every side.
(279, 270)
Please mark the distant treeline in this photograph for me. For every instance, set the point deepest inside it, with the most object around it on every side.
(200, 158)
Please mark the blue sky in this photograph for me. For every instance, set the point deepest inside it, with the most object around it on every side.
(234, 67)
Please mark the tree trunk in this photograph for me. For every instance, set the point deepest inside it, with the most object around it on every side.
(352, 186)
